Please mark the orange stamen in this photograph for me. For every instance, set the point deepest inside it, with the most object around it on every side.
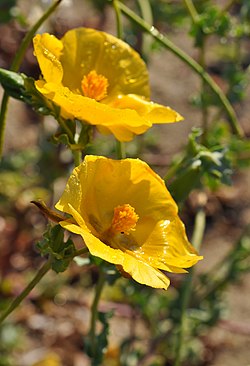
(94, 86)
(124, 219)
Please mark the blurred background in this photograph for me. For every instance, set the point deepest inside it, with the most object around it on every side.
(50, 326)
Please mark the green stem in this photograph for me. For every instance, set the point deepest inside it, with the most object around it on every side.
(80, 252)
(120, 147)
(77, 157)
(195, 17)
(203, 91)
(236, 128)
(118, 15)
(94, 312)
(120, 150)
(199, 228)
(66, 129)
(40, 274)
(77, 154)
(192, 10)
(146, 14)
(28, 38)
(16, 64)
(3, 111)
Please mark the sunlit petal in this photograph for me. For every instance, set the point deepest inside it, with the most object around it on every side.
(47, 49)
(152, 112)
(98, 79)
(126, 216)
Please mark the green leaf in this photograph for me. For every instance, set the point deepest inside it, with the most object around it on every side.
(61, 252)
(200, 166)
(101, 339)
(186, 180)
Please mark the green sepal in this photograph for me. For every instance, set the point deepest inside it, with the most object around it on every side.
(53, 244)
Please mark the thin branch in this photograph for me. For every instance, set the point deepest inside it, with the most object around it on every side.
(236, 128)
(16, 64)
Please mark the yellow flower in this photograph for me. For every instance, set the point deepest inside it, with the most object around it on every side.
(97, 78)
(126, 216)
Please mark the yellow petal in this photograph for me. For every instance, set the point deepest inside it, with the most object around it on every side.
(140, 271)
(101, 184)
(123, 124)
(158, 240)
(144, 273)
(47, 49)
(168, 246)
(86, 49)
(152, 112)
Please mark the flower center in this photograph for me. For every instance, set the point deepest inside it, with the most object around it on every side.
(124, 219)
(94, 86)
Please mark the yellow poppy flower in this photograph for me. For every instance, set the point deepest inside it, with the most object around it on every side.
(98, 79)
(126, 216)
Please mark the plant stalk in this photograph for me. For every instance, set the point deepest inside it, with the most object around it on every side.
(236, 128)
(192, 10)
(118, 15)
(16, 64)
(120, 150)
(199, 228)
(94, 312)
(40, 274)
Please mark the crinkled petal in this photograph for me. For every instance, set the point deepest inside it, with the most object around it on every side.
(86, 49)
(123, 124)
(144, 273)
(152, 112)
(47, 49)
(168, 246)
(140, 271)
(101, 184)
(159, 241)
